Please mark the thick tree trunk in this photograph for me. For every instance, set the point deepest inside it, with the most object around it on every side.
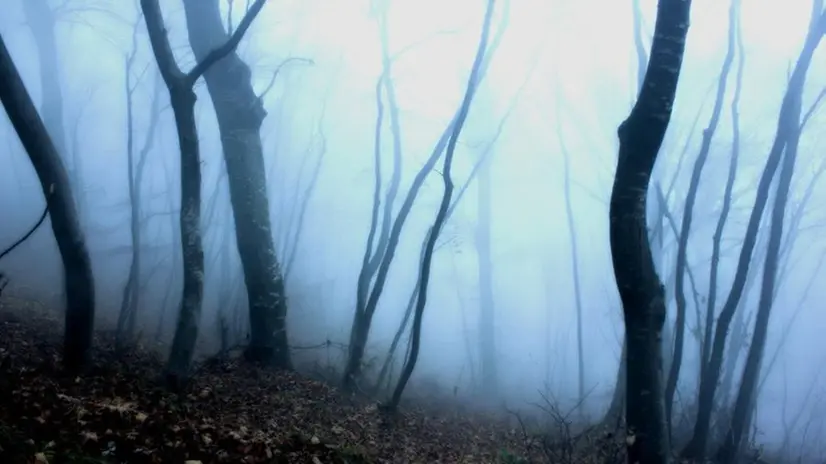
(240, 114)
(641, 136)
(77, 266)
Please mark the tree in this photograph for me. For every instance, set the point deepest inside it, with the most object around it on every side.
(54, 180)
(688, 214)
(787, 126)
(790, 124)
(240, 114)
(376, 262)
(127, 318)
(441, 215)
(640, 138)
(182, 97)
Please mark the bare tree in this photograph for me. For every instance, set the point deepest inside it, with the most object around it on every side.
(240, 114)
(791, 126)
(182, 97)
(787, 128)
(376, 263)
(688, 213)
(77, 266)
(433, 233)
(617, 404)
(717, 238)
(127, 318)
(642, 294)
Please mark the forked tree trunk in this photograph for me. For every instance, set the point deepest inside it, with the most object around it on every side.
(240, 114)
(642, 294)
(77, 266)
(182, 98)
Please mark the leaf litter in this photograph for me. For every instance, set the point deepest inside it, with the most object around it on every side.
(230, 412)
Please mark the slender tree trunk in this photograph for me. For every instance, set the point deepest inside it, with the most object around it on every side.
(717, 239)
(77, 266)
(487, 317)
(378, 263)
(789, 110)
(42, 22)
(444, 206)
(240, 114)
(641, 136)
(791, 125)
(688, 215)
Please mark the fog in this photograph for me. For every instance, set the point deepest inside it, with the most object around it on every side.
(563, 78)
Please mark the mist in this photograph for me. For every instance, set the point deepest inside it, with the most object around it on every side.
(522, 307)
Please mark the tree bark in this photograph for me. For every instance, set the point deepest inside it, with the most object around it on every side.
(642, 294)
(77, 266)
(240, 114)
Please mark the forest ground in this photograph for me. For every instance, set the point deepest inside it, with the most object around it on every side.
(119, 411)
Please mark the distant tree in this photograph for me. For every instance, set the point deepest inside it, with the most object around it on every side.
(787, 132)
(240, 113)
(441, 215)
(182, 97)
(77, 266)
(130, 302)
(643, 299)
(385, 228)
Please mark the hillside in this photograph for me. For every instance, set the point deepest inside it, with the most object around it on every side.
(231, 412)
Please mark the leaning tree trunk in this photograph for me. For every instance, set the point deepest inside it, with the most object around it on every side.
(642, 294)
(441, 214)
(77, 266)
(688, 215)
(710, 373)
(240, 114)
(791, 126)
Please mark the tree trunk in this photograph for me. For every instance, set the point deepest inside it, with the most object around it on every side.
(569, 215)
(42, 21)
(641, 136)
(444, 206)
(487, 317)
(367, 297)
(710, 376)
(240, 114)
(717, 239)
(182, 98)
(688, 215)
(791, 126)
(77, 266)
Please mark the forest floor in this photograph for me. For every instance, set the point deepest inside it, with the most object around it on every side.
(230, 412)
